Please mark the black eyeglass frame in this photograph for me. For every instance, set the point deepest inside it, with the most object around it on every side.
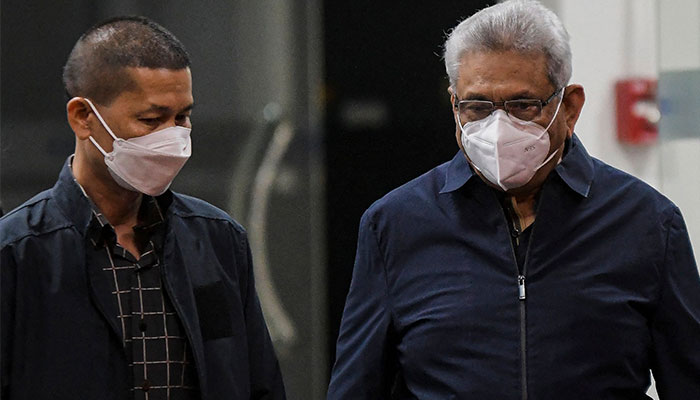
(503, 105)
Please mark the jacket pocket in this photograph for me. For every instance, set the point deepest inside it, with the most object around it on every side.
(215, 307)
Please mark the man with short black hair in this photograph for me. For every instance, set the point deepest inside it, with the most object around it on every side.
(113, 286)
(522, 268)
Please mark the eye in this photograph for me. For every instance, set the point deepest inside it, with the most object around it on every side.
(477, 106)
(524, 109)
(523, 105)
(149, 121)
(474, 110)
(182, 119)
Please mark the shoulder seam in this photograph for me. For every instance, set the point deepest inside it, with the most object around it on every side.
(34, 234)
(29, 203)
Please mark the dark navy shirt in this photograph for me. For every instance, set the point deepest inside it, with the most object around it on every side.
(438, 309)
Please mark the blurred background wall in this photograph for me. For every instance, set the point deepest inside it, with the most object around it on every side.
(309, 111)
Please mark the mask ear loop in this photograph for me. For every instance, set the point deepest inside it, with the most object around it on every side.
(556, 112)
(561, 100)
(104, 124)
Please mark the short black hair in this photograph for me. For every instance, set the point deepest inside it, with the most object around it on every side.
(96, 65)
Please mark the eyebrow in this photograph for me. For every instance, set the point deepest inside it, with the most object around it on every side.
(474, 97)
(522, 95)
(165, 109)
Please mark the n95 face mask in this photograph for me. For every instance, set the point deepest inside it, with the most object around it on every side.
(506, 150)
(149, 163)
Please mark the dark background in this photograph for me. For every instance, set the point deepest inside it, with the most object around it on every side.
(390, 56)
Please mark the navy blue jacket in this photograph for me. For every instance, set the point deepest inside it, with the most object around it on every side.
(57, 343)
(611, 290)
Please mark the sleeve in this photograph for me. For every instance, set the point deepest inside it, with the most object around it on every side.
(7, 294)
(676, 324)
(361, 369)
(265, 375)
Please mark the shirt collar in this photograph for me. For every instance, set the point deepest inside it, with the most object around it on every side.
(575, 169)
(151, 218)
(84, 214)
(458, 173)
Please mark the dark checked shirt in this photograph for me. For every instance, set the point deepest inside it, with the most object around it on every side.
(61, 337)
(156, 345)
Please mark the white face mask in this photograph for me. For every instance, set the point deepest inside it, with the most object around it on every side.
(506, 150)
(149, 163)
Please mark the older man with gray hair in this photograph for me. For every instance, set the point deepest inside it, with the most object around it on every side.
(523, 268)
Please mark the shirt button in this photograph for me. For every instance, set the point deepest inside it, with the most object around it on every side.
(142, 325)
(146, 385)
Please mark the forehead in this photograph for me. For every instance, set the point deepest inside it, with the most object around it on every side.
(503, 75)
(161, 86)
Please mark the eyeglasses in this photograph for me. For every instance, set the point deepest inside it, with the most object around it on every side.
(524, 109)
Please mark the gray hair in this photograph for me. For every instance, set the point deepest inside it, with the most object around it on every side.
(522, 25)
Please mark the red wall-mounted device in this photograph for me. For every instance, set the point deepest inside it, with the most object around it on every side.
(637, 111)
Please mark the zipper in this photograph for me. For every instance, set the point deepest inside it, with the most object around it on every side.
(522, 296)
(523, 336)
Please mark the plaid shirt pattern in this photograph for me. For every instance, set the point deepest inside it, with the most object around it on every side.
(156, 346)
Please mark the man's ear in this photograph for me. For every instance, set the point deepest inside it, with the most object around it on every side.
(78, 112)
(458, 131)
(453, 98)
(574, 97)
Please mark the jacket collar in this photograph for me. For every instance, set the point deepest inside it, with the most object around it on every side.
(575, 169)
(74, 204)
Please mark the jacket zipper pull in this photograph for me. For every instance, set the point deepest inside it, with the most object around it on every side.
(521, 287)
